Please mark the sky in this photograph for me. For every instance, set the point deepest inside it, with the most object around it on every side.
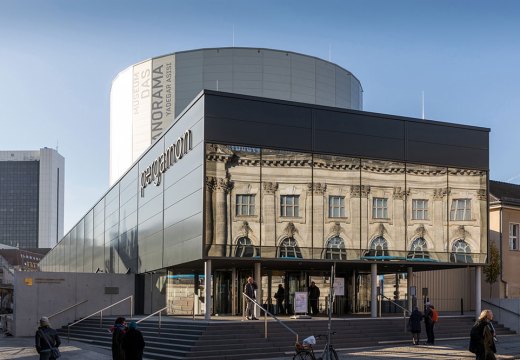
(58, 59)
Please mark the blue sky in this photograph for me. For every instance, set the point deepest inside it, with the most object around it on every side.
(58, 58)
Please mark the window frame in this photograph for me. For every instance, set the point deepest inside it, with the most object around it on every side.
(240, 205)
(383, 207)
(338, 207)
(416, 210)
(456, 209)
(513, 237)
(295, 206)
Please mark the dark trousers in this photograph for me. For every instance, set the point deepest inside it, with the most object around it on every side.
(46, 355)
(314, 306)
(279, 305)
(429, 333)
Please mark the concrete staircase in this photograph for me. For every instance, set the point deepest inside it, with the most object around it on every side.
(232, 339)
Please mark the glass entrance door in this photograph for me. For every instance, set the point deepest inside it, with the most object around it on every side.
(294, 281)
(222, 292)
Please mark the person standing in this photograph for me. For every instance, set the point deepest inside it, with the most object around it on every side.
(280, 298)
(429, 323)
(249, 290)
(46, 338)
(414, 324)
(314, 296)
(118, 331)
(482, 337)
(133, 343)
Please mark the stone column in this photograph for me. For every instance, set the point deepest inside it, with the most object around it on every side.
(399, 198)
(360, 216)
(373, 291)
(409, 286)
(482, 197)
(439, 220)
(478, 291)
(208, 290)
(210, 187)
(269, 215)
(258, 280)
(222, 187)
(318, 214)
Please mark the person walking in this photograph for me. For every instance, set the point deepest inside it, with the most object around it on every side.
(482, 337)
(280, 298)
(414, 325)
(133, 343)
(314, 296)
(46, 339)
(249, 290)
(429, 323)
(118, 331)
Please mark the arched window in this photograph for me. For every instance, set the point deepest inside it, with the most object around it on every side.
(289, 249)
(335, 249)
(419, 249)
(245, 248)
(461, 252)
(378, 247)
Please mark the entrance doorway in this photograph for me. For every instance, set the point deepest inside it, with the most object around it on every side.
(293, 282)
(222, 291)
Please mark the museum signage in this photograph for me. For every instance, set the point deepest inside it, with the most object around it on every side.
(172, 154)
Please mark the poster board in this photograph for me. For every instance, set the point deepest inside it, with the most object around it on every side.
(339, 286)
(300, 302)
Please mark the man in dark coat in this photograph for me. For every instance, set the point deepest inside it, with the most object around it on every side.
(280, 297)
(45, 338)
(314, 296)
(133, 343)
(429, 324)
(414, 325)
(118, 330)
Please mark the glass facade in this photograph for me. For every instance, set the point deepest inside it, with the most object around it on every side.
(19, 192)
(328, 207)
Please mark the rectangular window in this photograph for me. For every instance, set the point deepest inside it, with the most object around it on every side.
(419, 209)
(290, 205)
(245, 205)
(513, 236)
(336, 206)
(460, 209)
(380, 208)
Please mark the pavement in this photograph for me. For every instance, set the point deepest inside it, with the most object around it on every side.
(508, 347)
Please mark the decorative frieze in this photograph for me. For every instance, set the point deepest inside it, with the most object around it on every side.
(210, 183)
(359, 190)
(482, 194)
(336, 229)
(246, 229)
(223, 184)
(420, 231)
(400, 194)
(317, 188)
(290, 230)
(269, 187)
(439, 194)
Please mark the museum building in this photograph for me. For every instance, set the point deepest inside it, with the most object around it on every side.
(242, 185)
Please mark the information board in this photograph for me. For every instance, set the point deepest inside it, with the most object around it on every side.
(339, 286)
(300, 302)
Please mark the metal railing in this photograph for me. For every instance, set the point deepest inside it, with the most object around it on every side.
(153, 314)
(131, 297)
(399, 306)
(66, 309)
(266, 312)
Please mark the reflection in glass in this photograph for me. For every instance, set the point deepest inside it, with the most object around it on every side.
(419, 249)
(461, 252)
(289, 249)
(335, 249)
(245, 248)
(460, 209)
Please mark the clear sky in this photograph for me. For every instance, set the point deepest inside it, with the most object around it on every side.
(58, 59)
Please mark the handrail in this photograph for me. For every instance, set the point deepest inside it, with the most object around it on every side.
(66, 309)
(152, 314)
(131, 297)
(266, 312)
(399, 306)
(500, 307)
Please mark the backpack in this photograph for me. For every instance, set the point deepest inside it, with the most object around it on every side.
(435, 315)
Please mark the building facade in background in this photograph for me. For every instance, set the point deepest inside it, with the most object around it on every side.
(146, 97)
(31, 198)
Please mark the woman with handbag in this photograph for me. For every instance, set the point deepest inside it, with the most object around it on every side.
(47, 341)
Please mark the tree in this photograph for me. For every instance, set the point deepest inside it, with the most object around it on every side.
(492, 269)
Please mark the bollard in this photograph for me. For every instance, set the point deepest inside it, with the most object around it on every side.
(461, 306)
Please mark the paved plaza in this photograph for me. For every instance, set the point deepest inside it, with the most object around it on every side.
(509, 348)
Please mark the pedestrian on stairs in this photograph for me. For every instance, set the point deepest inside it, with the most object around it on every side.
(133, 343)
(118, 330)
(46, 339)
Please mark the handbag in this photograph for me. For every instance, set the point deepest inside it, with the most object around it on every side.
(55, 352)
